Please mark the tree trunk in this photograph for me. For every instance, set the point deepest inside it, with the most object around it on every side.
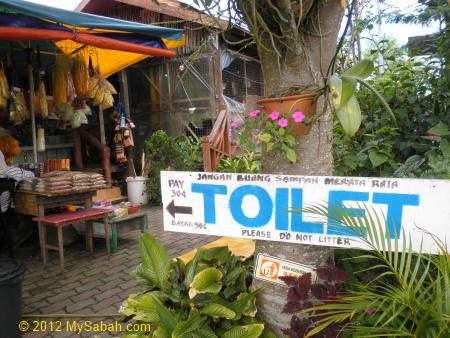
(305, 64)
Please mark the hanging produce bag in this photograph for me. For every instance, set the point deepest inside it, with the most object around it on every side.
(80, 75)
(101, 91)
(4, 90)
(42, 94)
(40, 140)
(59, 81)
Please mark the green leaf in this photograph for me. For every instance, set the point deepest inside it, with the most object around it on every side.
(440, 129)
(147, 309)
(290, 154)
(281, 131)
(245, 331)
(155, 261)
(243, 302)
(445, 148)
(348, 89)
(218, 311)
(270, 146)
(193, 323)
(161, 332)
(377, 158)
(206, 281)
(218, 254)
(166, 317)
(191, 266)
(350, 116)
(265, 137)
(362, 69)
(335, 87)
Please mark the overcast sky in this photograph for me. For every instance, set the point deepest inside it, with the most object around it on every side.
(401, 32)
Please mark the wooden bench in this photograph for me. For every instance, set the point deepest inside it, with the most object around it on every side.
(114, 222)
(65, 219)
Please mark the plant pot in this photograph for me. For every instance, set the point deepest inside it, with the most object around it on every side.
(305, 103)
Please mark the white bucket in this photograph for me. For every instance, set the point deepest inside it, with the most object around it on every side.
(136, 190)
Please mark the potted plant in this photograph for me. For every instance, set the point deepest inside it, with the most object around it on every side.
(280, 119)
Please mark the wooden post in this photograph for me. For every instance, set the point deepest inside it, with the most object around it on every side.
(32, 112)
(77, 148)
(101, 121)
(123, 81)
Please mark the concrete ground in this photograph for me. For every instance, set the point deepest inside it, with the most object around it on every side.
(92, 287)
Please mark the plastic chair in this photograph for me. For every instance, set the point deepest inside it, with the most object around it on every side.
(7, 185)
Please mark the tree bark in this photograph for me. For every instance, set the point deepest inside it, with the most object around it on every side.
(305, 64)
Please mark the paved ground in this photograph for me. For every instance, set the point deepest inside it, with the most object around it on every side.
(91, 285)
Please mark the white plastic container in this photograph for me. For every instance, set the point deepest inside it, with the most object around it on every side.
(136, 190)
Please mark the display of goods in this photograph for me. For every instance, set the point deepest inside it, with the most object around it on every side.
(59, 85)
(18, 112)
(63, 87)
(101, 91)
(80, 75)
(42, 94)
(4, 89)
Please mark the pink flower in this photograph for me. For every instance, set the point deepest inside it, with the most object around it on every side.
(235, 123)
(275, 115)
(254, 113)
(370, 312)
(298, 116)
(283, 123)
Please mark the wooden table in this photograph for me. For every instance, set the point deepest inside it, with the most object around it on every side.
(35, 203)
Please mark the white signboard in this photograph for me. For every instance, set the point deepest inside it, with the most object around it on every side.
(270, 269)
(257, 206)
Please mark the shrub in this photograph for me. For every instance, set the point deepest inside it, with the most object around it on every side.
(167, 153)
(208, 297)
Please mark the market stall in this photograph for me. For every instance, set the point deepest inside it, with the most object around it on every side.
(65, 57)
(54, 66)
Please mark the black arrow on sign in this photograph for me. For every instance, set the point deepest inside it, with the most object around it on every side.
(174, 209)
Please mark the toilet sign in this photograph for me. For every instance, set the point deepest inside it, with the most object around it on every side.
(267, 207)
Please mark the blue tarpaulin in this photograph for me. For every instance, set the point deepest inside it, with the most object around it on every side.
(86, 20)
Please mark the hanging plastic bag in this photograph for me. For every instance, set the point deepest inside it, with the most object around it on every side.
(40, 140)
(78, 118)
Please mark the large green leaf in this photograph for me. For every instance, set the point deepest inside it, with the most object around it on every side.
(143, 278)
(243, 303)
(348, 89)
(377, 158)
(216, 310)
(193, 323)
(191, 267)
(445, 148)
(206, 281)
(440, 129)
(155, 261)
(218, 254)
(245, 331)
(362, 69)
(350, 116)
(147, 309)
(166, 317)
(161, 332)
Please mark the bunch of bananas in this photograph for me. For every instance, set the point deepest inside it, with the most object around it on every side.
(101, 91)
